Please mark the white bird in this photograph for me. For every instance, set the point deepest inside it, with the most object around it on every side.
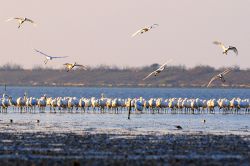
(219, 76)
(70, 66)
(143, 30)
(226, 49)
(21, 20)
(49, 57)
(160, 69)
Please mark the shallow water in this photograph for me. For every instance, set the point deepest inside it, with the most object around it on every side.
(139, 123)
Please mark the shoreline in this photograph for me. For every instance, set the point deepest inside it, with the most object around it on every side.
(108, 139)
(126, 87)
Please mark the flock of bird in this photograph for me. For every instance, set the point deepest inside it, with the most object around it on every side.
(70, 66)
(103, 104)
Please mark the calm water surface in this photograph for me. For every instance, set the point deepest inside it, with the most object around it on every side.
(77, 122)
(128, 92)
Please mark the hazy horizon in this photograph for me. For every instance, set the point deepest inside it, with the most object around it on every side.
(98, 32)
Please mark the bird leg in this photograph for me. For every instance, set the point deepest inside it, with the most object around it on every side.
(46, 61)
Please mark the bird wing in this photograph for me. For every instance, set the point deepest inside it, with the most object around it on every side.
(226, 71)
(27, 19)
(9, 19)
(59, 56)
(153, 26)
(82, 66)
(136, 33)
(31, 21)
(66, 64)
(43, 53)
(148, 75)
(14, 18)
(165, 63)
(220, 44)
(234, 49)
(214, 78)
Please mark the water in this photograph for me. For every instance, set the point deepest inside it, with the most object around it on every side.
(139, 123)
(147, 93)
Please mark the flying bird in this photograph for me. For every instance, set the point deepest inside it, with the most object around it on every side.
(21, 20)
(49, 57)
(70, 66)
(145, 29)
(157, 71)
(226, 49)
(219, 76)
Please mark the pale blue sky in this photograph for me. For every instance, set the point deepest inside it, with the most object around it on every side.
(95, 32)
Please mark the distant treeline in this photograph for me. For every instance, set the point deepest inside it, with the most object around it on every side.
(103, 75)
(13, 67)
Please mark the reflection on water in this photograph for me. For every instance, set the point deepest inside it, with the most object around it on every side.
(139, 123)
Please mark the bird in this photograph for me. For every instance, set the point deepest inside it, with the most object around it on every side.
(178, 127)
(49, 57)
(219, 76)
(157, 71)
(38, 121)
(226, 49)
(70, 66)
(143, 30)
(21, 20)
(11, 121)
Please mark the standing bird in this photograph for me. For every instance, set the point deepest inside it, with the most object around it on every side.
(160, 69)
(143, 30)
(226, 49)
(178, 127)
(219, 76)
(70, 66)
(21, 20)
(49, 57)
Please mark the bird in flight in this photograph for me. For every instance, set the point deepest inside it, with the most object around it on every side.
(226, 49)
(143, 30)
(21, 20)
(70, 66)
(160, 69)
(49, 57)
(219, 76)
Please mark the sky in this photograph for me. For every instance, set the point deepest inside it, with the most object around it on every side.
(96, 32)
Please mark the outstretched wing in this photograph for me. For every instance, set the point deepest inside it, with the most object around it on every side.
(148, 75)
(27, 19)
(234, 49)
(81, 66)
(226, 71)
(43, 53)
(165, 63)
(220, 44)
(9, 19)
(59, 57)
(136, 33)
(214, 78)
(153, 26)
(31, 21)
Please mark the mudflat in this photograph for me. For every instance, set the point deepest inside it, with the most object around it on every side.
(123, 148)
